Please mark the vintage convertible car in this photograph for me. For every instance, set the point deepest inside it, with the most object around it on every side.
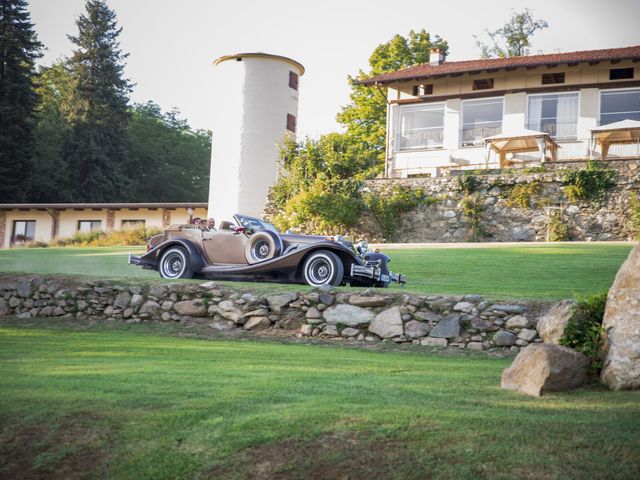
(252, 249)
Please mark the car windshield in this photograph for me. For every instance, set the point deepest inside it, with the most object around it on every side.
(255, 224)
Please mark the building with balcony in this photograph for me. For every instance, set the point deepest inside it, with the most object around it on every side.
(455, 115)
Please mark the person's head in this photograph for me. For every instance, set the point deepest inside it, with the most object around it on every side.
(196, 221)
(211, 223)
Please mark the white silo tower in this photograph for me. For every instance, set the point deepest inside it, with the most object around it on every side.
(260, 93)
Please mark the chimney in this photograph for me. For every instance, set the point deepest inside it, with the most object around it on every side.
(436, 57)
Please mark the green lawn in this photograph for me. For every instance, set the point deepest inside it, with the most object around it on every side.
(123, 402)
(530, 271)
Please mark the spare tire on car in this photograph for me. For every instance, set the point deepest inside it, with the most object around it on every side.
(262, 245)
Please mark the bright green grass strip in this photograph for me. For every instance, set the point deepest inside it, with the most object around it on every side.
(163, 407)
(532, 271)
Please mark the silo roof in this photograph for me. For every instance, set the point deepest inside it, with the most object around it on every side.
(259, 55)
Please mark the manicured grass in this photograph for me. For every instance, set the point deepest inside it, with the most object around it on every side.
(116, 402)
(530, 271)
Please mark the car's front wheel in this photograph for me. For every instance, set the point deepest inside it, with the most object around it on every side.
(323, 268)
(174, 263)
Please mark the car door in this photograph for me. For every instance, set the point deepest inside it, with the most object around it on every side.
(225, 247)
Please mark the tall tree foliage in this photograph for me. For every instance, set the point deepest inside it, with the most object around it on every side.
(171, 160)
(97, 148)
(19, 48)
(365, 116)
(513, 39)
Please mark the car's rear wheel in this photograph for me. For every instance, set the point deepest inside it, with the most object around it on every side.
(260, 247)
(323, 268)
(174, 263)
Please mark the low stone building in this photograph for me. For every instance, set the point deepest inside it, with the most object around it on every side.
(24, 222)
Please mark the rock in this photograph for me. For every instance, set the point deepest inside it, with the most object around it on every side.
(166, 316)
(527, 334)
(331, 330)
(426, 316)
(473, 298)
(257, 323)
(306, 330)
(475, 346)
(167, 305)
(522, 233)
(107, 311)
(313, 313)
(278, 302)
(122, 300)
(44, 312)
(23, 289)
(504, 338)
(14, 302)
(572, 210)
(517, 322)
(387, 323)
(348, 315)
(227, 306)
(292, 321)
(552, 324)
(4, 307)
(415, 329)
(236, 317)
(150, 308)
(221, 326)
(465, 307)
(326, 299)
(448, 327)
(24, 315)
(545, 367)
(58, 312)
(136, 301)
(507, 308)
(521, 343)
(434, 342)
(621, 369)
(349, 332)
(82, 305)
(367, 301)
(481, 324)
(191, 308)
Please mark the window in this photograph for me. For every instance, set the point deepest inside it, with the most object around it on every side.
(620, 73)
(555, 114)
(291, 122)
(426, 89)
(293, 80)
(481, 119)
(616, 105)
(89, 225)
(421, 126)
(124, 224)
(483, 84)
(23, 230)
(549, 78)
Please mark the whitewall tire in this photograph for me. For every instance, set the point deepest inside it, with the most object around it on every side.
(323, 268)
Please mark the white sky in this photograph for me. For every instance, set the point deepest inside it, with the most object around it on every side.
(173, 42)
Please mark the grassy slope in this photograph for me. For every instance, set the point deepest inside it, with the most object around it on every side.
(126, 404)
(540, 271)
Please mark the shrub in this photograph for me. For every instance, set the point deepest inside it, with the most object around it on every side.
(590, 183)
(558, 229)
(584, 331)
(523, 195)
(386, 209)
(113, 238)
(472, 210)
(468, 183)
(634, 216)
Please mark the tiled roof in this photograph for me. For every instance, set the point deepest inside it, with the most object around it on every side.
(425, 70)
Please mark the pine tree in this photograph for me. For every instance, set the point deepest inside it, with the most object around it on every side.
(19, 48)
(97, 149)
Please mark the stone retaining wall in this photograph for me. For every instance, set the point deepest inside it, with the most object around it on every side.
(466, 321)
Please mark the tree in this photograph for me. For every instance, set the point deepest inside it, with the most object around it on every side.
(47, 182)
(365, 115)
(171, 160)
(513, 39)
(19, 48)
(97, 147)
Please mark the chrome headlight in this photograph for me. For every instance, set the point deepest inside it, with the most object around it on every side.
(362, 247)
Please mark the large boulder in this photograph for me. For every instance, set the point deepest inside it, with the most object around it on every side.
(191, 308)
(368, 301)
(621, 369)
(387, 323)
(545, 367)
(551, 325)
(278, 302)
(348, 315)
